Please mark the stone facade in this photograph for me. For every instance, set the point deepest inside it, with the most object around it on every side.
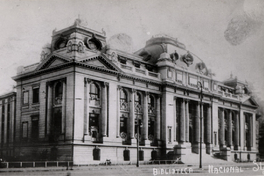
(85, 99)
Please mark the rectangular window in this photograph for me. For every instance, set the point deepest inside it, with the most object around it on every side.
(35, 127)
(169, 135)
(35, 95)
(25, 98)
(179, 77)
(24, 130)
(193, 81)
(206, 84)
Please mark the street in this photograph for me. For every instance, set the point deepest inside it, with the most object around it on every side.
(126, 172)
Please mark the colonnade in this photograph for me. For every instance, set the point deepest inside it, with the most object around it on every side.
(133, 113)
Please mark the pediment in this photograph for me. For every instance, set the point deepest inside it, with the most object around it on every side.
(101, 62)
(52, 61)
(250, 102)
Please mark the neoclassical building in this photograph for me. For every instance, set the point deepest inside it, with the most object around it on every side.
(85, 98)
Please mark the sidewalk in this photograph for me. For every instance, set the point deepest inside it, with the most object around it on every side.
(195, 167)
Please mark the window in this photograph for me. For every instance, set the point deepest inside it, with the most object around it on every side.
(34, 127)
(123, 100)
(138, 103)
(24, 130)
(169, 135)
(58, 93)
(57, 121)
(151, 104)
(25, 98)
(179, 77)
(123, 127)
(193, 81)
(35, 95)
(206, 84)
(93, 124)
(138, 98)
(94, 92)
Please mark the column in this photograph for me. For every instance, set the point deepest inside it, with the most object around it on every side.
(250, 116)
(118, 112)
(132, 113)
(49, 108)
(222, 128)
(6, 119)
(175, 118)
(236, 129)
(0, 121)
(63, 113)
(242, 129)
(254, 130)
(208, 123)
(197, 123)
(182, 122)
(86, 106)
(158, 118)
(13, 109)
(229, 138)
(145, 117)
(104, 109)
(202, 121)
(187, 120)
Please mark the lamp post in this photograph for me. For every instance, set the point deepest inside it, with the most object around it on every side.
(201, 120)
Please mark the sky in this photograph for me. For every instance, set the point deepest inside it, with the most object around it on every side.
(228, 35)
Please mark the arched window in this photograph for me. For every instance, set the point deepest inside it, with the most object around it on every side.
(123, 100)
(151, 104)
(138, 107)
(138, 98)
(58, 93)
(94, 92)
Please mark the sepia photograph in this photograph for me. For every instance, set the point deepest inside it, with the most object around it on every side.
(126, 88)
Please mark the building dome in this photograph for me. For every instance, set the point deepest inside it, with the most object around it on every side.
(121, 42)
(162, 43)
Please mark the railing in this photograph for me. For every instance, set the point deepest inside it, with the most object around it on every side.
(23, 164)
(153, 74)
(126, 67)
(140, 71)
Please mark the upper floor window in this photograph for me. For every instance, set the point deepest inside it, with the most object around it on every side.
(151, 104)
(58, 93)
(138, 107)
(138, 98)
(178, 77)
(35, 95)
(94, 92)
(206, 84)
(193, 81)
(123, 100)
(25, 97)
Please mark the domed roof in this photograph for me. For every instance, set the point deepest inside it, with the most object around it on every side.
(121, 42)
(176, 50)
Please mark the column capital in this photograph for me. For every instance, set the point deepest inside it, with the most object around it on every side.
(105, 84)
(87, 80)
(146, 93)
(186, 100)
(159, 95)
(119, 87)
(133, 90)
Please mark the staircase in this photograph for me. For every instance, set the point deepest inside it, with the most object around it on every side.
(193, 158)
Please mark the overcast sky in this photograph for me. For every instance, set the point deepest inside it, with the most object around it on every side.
(228, 35)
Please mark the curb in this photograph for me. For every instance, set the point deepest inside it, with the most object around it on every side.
(128, 167)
